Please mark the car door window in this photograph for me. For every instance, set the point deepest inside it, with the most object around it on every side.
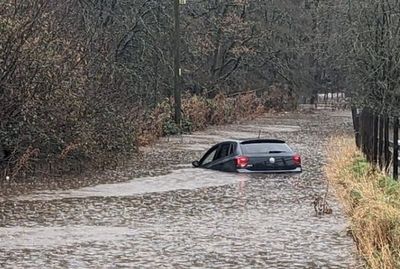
(231, 149)
(209, 157)
(224, 151)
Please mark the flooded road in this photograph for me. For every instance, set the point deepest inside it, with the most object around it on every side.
(179, 217)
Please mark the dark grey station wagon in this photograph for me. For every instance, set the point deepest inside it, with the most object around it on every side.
(251, 156)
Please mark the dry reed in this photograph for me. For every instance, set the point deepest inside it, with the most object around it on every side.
(371, 200)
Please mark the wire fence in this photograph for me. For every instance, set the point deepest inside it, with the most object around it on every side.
(377, 135)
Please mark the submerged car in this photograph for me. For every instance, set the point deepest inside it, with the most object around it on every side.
(251, 156)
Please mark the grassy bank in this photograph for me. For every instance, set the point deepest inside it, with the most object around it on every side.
(371, 200)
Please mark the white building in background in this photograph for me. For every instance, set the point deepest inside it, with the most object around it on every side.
(335, 96)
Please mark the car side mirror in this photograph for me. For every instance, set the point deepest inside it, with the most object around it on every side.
(196, 164)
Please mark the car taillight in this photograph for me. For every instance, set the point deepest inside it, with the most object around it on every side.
(297, 159)
(241, 161)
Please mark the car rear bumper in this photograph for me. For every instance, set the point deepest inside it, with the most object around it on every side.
(296, 170)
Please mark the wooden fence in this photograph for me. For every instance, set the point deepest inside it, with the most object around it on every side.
(377, 135)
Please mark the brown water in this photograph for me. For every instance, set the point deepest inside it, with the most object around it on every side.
(189, 217)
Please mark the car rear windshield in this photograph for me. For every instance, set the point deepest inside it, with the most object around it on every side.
(260, 148)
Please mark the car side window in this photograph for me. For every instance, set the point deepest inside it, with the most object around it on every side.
(210, 156)
(232, 149)
(225, 150)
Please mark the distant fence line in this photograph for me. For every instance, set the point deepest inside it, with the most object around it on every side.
(325, 101)
(377, 135)
(331, 97)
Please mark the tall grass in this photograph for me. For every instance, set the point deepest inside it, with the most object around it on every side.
(371, 200)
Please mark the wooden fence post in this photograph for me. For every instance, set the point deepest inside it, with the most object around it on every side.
(396, 148)
(363, 131)
(381, 127)
(370, 136)
(361, 127)
(356, 125)
(366, 129)
(386, 143)
(375, 139)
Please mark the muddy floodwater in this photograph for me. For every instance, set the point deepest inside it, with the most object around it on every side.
(158, 212)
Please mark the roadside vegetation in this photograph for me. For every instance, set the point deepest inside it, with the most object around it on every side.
(198, 113)
(371, 200)
(83, 82)
(103, 144)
